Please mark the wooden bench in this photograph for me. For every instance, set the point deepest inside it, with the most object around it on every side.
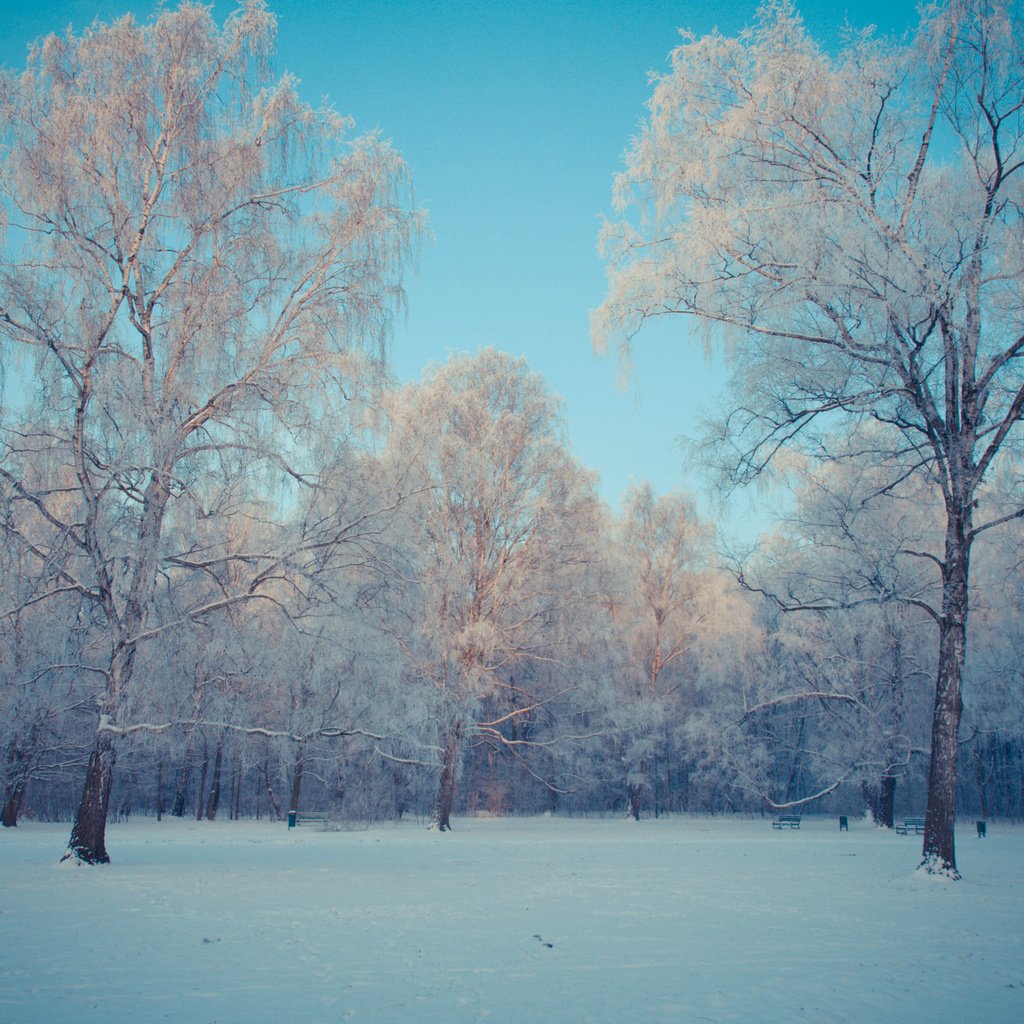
(296, 818)
(915, 825)
(787, 821)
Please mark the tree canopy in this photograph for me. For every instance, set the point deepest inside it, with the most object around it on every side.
(851, 224)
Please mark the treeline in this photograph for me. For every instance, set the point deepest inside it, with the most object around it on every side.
(473, 632)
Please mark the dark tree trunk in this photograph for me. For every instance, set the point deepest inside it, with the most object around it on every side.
(12, 805)
(214, 802)
(160, 790)
(181, 788)
(183, 781)
(201, 794)
(300, 764)
(88, 834)
(275, 807)
(398, 791)
(236, 801)
(635, 793)
(440, 818)
(881, 800)
(887, 801)
(938, 853)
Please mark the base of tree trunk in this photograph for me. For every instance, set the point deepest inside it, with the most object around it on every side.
(441, 814)
(87, 844)
(936, 867)
(12, 807)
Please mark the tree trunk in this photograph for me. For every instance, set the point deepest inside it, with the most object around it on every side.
(887, 801)
(87, 843)
(160, 790)
(881, 799)
(214, 802)
(275, 807)
(300, 764)
(398, 789)
(12, 805)
(635, 792)
(19, 766)
(201, 795)
(182, 785)
(440, 818)
(938, 855)
(236, 801)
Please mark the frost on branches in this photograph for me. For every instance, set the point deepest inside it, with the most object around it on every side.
(194, 258)
(849, 225)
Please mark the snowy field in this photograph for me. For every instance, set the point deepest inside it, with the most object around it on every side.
(523, 921)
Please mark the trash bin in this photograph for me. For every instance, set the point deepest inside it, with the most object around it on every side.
(291, 819)
(844, 825)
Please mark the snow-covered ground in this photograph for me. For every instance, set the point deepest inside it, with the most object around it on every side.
(524, 921)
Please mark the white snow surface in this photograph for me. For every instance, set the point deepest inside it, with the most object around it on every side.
(516, 920)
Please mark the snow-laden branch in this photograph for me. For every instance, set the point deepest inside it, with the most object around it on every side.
(106, 725)
(793, 698)
(407, 760)
(803, 801)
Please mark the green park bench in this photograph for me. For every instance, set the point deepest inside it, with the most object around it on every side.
(908, 825)
(786, 821)
(296, 818)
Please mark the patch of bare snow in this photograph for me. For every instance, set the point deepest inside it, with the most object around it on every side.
(540, 920)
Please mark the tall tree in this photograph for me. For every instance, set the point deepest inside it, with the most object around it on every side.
(665, 547)
(501, 539)
(853, 224)
(192, 256)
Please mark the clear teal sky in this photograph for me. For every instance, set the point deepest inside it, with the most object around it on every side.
(513, 117)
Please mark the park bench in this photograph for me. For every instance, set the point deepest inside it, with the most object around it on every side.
(296, 818)
(787, 821)
(915, 825)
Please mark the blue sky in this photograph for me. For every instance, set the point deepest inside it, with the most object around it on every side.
(513, 117)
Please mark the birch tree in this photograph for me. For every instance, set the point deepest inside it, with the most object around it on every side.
(665, 547)
(851, 224)
(193, 257)
(500, 543)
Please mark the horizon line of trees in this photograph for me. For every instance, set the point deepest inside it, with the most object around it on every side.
(479, 634)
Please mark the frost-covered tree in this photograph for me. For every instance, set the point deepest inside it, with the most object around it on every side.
(500, 541)
(852, 224)
(192, 257)
(850, 667)
(665, 550)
